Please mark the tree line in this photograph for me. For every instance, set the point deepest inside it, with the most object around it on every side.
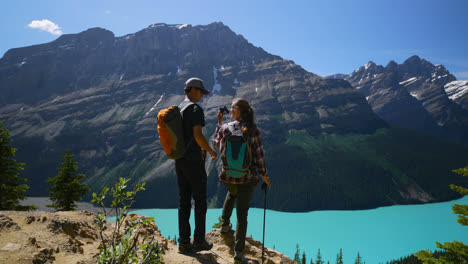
(66, 187)
(302, 258)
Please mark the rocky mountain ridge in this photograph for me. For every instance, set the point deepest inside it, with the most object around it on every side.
(414, 94)
(457, 91)
(99, 95)
(79, 61)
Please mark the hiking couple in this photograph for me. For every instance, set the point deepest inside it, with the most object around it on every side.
(192, 177)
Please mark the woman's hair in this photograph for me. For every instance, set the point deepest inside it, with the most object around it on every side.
(246, 114)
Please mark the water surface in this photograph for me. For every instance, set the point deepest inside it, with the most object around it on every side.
(379, 234)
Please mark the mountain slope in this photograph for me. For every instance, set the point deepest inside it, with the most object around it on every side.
(99, 96)
(414, 95)
(457, 91)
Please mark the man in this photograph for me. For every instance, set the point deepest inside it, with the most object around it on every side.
(190, 169)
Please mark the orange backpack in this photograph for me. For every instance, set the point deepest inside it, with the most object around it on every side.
(171, 132)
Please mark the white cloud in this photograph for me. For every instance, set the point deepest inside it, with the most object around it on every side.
(46, 25)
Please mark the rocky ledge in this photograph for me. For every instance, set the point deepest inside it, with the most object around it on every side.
(72, 237)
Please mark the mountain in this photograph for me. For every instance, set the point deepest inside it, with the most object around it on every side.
(415, 94)
(99, 95)
(457, 91)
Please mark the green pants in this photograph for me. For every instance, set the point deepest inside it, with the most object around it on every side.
(243, 194)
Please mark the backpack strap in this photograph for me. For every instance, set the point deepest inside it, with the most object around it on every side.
(232, 126)
(183, 106)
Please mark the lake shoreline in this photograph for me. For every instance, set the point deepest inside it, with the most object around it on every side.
(42, 203)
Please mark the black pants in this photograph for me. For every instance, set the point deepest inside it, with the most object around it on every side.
(191, 178)
(243, 194)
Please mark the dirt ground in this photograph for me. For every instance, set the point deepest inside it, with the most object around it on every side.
(72, 237)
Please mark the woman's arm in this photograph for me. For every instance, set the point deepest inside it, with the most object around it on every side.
(219, 132)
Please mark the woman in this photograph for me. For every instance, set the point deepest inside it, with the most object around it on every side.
(239, 182)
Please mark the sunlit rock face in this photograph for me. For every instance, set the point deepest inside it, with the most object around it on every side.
(415, 94)
(98, 95)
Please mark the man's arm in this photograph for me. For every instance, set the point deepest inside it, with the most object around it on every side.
(201, 141)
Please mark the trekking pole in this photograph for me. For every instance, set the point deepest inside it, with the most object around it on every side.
(264, 187)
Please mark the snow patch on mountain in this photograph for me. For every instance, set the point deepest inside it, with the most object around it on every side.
(156, 104)
(216, 87)
(456, 89)
(438, 77)
(127, 37)
(415, 95)
(409, 81)
(67, 46)
(56, 99)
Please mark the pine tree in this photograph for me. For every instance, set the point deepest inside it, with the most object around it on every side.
(12, 186)
(304, 260)
(66, 186)
(296, 255)
(358, 259)
(319, 258)
(339, 257)
(456, 251)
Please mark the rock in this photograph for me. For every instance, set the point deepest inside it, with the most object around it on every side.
(11, 247)
(209, 257)
(44, 255)
(286, 260)
(43, 219)
(32, 240)
(7, 223)
(75, 245)
(86, 212)
(30, 219)
(87, 234)
(72, 228)
(224, 244)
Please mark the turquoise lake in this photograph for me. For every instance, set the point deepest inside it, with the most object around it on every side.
(379, 234)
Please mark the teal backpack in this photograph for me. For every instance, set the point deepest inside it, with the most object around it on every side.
(237, 155)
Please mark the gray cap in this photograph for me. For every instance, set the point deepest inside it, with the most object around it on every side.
(196, 83)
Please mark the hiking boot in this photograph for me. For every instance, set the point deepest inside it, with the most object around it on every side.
(239, 258)
(226, 228)
(185, 248)
(202, 245)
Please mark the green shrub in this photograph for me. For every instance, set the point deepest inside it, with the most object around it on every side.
(122, 246)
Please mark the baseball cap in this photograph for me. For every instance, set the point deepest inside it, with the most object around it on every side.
(196, 83)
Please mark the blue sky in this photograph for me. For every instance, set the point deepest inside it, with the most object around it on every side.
(324, 37)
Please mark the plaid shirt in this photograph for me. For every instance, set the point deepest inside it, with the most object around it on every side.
(255, 142)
